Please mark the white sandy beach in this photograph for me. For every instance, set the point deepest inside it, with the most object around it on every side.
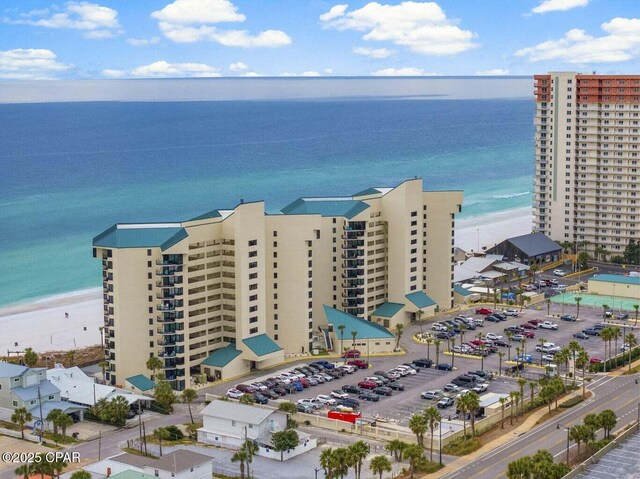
(42, 325)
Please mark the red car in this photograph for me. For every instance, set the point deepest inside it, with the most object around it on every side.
(535, 321)
(245, 389)
(529, 326)
(352, 353)
(359, 363)
(595, 360)
(367, 385)
(478, 342)
(484, 311)
(528, 334)
(304, 382)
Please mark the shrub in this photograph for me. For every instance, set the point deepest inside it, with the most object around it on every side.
(462, 446)
(172, 433)
(571, 402)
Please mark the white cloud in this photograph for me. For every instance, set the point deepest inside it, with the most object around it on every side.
(494, 72)
(29, 64)
(309, 73)
(163, 69)
(376, 53)
(251, 74)
(403, 72)
(238, 67)
(421, 27)
(95, 20)
(113, 73)
(188, 21)
(621, 43)
(143, 42)
(559, 5)
(328, 71)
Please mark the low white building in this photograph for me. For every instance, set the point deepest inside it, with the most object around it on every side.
(228, 424)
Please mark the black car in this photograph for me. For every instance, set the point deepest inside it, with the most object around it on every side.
(270, 394)
(493, 319)
(622, 316)
(591, 331)
(369, 397)
(279, 390)
(351, 389)
(567, 317)
(581, 335)
(442, 335)
(513, 329)
(396, 386)
(384, 380)
(383, 391)
(444, 367)
(131, 414)
(349, 402)
(334, 373)
(502, 343)
(423, 362)
(269, 383)
(260, 398)
(502, 316)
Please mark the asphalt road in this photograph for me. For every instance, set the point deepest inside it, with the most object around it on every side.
(618, 393)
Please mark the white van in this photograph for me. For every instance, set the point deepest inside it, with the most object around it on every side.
(478, 321)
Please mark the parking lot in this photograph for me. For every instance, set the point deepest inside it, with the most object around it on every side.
(399, 407)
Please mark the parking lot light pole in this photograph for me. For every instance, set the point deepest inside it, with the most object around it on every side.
(568, 431)
(440, 444)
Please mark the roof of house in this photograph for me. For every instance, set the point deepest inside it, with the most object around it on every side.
(534, 244)
(30, 393)
(460, 290)
(420, 299)
(131, 474)
(48, 406)
(342, 206)
(244, 412)
(261, 344)
(479, 264)
(388, 310)
(223, 356)
(141, 382)
(364, 329)
(181, 460)
(8, 370)
(616, 278)
(149, 235)
(367, 192)
(207, 215)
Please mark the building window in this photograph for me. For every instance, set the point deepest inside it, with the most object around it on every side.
(253, 319)
(253, 330)
(253, 276)
(253, 287)
(253, 254)
(253, 264)
(253, 243)
(148, 252)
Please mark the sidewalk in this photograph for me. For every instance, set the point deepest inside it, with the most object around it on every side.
(528, 424)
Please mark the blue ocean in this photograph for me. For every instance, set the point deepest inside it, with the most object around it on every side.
(70, 170)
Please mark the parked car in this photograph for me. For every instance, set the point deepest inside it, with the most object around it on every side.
(396, 386)
(502, 316)
(482, 373)
(403, 367)
(493, 336)
(513, 329)
(512, 312)
(451, 388)
(234, 393)
(439, 327)
(549, 358)
(549, 325)
(259, 386)
(326, 400)
(245, 389)
(280, 390)
(444, 367)
(313, 402)
(313, 381)
(260, 398)
(502, 343)
(412, 366)
(434, 394)
(368, 396)
(359, 363)
(567, 317)
(445, 403)
(622, 316)
(270, 394)
(376, 380)
(351, 389)
(591, 332)
(349, 402)
(352, 353)
(524, 358)
(595, 360)
(423, 362)
(325, 364)
(535, 321)
(559, 272)
(383, 391)
(529, 326)
(305, 408)
(528, 334)
(480, 387)
(484, 310)
(581, 335)
(339, 394)
(367, 385)
(492, 319)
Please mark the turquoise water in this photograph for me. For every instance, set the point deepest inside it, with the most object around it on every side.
(71, 170)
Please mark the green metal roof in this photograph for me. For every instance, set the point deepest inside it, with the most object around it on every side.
(420, 299)
(138, 236)
(388, 310)
(367, 192)
(207, 215)
(223, 356)
(176, 238)
(345, 207)
(261, 344)
(141, 382)
(460, 290)
(365, 329)
(616, 278)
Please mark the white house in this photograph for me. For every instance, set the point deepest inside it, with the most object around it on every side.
(227, 424)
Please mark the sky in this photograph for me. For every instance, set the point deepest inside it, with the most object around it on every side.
(116, 39)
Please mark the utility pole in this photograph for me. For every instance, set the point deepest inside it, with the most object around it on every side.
(41, 418)
(100, 445)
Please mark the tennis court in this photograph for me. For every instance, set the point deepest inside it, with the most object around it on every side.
(615, 303)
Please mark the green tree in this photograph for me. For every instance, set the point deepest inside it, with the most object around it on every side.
(502, 403)
(250, 449)
(396, 447)
(284, 440)
(462, 405)
(188, 396)
(358, 452)
(71, 357)
(583, 260)
(20, 417)
(429, 343)
(521, 468)
(437, 343)
(500, 357)
(164, 395)
(341, 329)
(103, 366)
(64, 421)
(340, 462)
(513, 396)
(354, 334)
(118, 409)
(593, 421)
(631, 342)
(574, 348)
(548, 302)
(26, 470)
(532, 387)
(326, 462)
(605, 308)
(521, 384)
(379, 465)
(577, 299)
(51, 417)
(433, 419)
(414, 454)
(399, 330)
(81, 475)
(247, 399)
(582, 360)
(608, 421)
(418, 425)
(636, 309)
(154, 364)
(419, 314)
(160, 433)
(473, 403)
(288, 407)
(605, 335)
(240, 456)
(30, 358)
(632, 252)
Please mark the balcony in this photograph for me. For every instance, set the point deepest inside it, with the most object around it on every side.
(353, 293)
(169, 281)
(353, 263)
(170, 259)
(353, 283)
(353, 235)
(355, 311)
(354, 254)
(170, 305)
(169, 270)
(353, 273)
(356, 226)
(353, 302)
(353, 244)
(169, 293)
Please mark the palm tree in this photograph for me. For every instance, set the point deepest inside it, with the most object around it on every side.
(636, 308)
(354, 334)
(433, 419)
(512, 395)
(509, 338)
(418, 426)
(20, 417)
(399, 328)
(548, 302)
(502, 403)
(326, 462)
(358, 451)
(437, 343)
(341, 329)
(562, 357)
(52, 418)
(154, 364)
(188, 396)
(516, 398)
(500, 356)
(396, 447)
(532, 387)
(104, 365)
(576, 433)
(414, 454)
(473, 403)
(379, 465)
(159, 433)
(605, 335)
(26, 470)
(419, 314)
(521, 384)
(605, 308)
(577, 299)
(71, 357)
(581, 361)
(452, 344)
(631, 342)
(608, 420)
(429, 342)
(64, 421)
(463, 406)
(238, 456)
(541, 342)
(250, 449)
(615, 334)
(482, 349)
(574, 347)
(81, 475)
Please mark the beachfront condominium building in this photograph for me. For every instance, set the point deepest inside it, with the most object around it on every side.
(235, 290)
(587, 187)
